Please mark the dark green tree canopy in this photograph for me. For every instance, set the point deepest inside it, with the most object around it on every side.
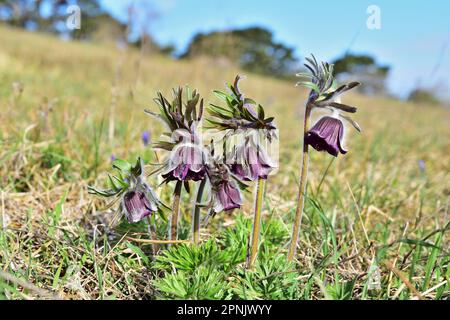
(363, 68)
(50, 15)
(96, 23)
(423, 96)
(43, 14)
(251, 48)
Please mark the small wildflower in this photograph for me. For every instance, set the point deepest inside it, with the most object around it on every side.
(422, 165)
(327, 135)
(242, 114)
(145, 137)
(251, 162)
(187, 159)
(137, 199)
(226, 194)
(139, 202)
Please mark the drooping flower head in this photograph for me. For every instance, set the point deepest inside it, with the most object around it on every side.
(187, 158)
(242, 116)
(137, 199)
(225, 191)
(328, 132)
(249, 161)
(327, 135)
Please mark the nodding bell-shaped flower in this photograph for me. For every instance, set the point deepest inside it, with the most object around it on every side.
(182, 116)
(136, 205)
(187, 159)
(327, 135)
(226, 194)
(251, 162)
(137, 199)
(325, 95)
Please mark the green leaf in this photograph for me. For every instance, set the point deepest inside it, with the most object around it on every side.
(221, 95)
(261, 114)
(249, 101)
(103, 193)
(138, 252)
(113, 184)
(121, 165)
(308, 84)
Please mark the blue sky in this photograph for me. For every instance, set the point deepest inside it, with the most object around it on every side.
(414, 38)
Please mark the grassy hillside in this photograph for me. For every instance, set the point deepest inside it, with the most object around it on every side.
(66, 107)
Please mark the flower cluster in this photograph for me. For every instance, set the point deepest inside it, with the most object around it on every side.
(188, 160)
(245, 136)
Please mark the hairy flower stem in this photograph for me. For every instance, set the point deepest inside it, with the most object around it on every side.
(153, 235)
(251, 258)
(301, 189)
(173, 230)
(196, 212)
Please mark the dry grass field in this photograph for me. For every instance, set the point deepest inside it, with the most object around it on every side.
(376, 220)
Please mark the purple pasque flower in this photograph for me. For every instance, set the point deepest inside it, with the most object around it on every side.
(187, 159)
(137, 199)
(228, 197)
(139, 202)
(251, 162)
(225, 193)
(327, 135)
(136, 206)
(145, 137)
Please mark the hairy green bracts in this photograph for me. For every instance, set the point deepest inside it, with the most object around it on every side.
(121, 181)
(179, 114)
(324, 91)
(186, 159)
(238, 112)
(182, 113)
(137, 199)
(322, 83)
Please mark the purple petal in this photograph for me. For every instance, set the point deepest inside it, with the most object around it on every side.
(137, 206)
(145, 137)
(252, 163)
(229, 196)
(326, 135)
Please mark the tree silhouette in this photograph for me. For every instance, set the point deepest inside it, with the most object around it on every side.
(363, 68)
(251, 48)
